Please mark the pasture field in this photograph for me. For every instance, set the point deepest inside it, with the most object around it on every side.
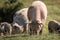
(53, 7)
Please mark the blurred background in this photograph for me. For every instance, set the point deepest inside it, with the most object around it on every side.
(9, 7)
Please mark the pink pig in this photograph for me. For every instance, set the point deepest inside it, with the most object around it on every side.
(37, 13)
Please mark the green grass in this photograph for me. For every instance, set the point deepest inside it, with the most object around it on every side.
(32, 37)
(53, 7)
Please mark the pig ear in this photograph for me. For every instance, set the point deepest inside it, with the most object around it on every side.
(31, 8)
(31, 11)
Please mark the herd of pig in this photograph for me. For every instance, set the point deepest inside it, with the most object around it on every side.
(29, 20)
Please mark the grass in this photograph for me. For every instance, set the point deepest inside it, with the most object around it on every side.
(53, 7)
(32, 37)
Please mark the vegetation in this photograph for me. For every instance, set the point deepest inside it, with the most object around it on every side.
(8, 9)
(53, 7)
